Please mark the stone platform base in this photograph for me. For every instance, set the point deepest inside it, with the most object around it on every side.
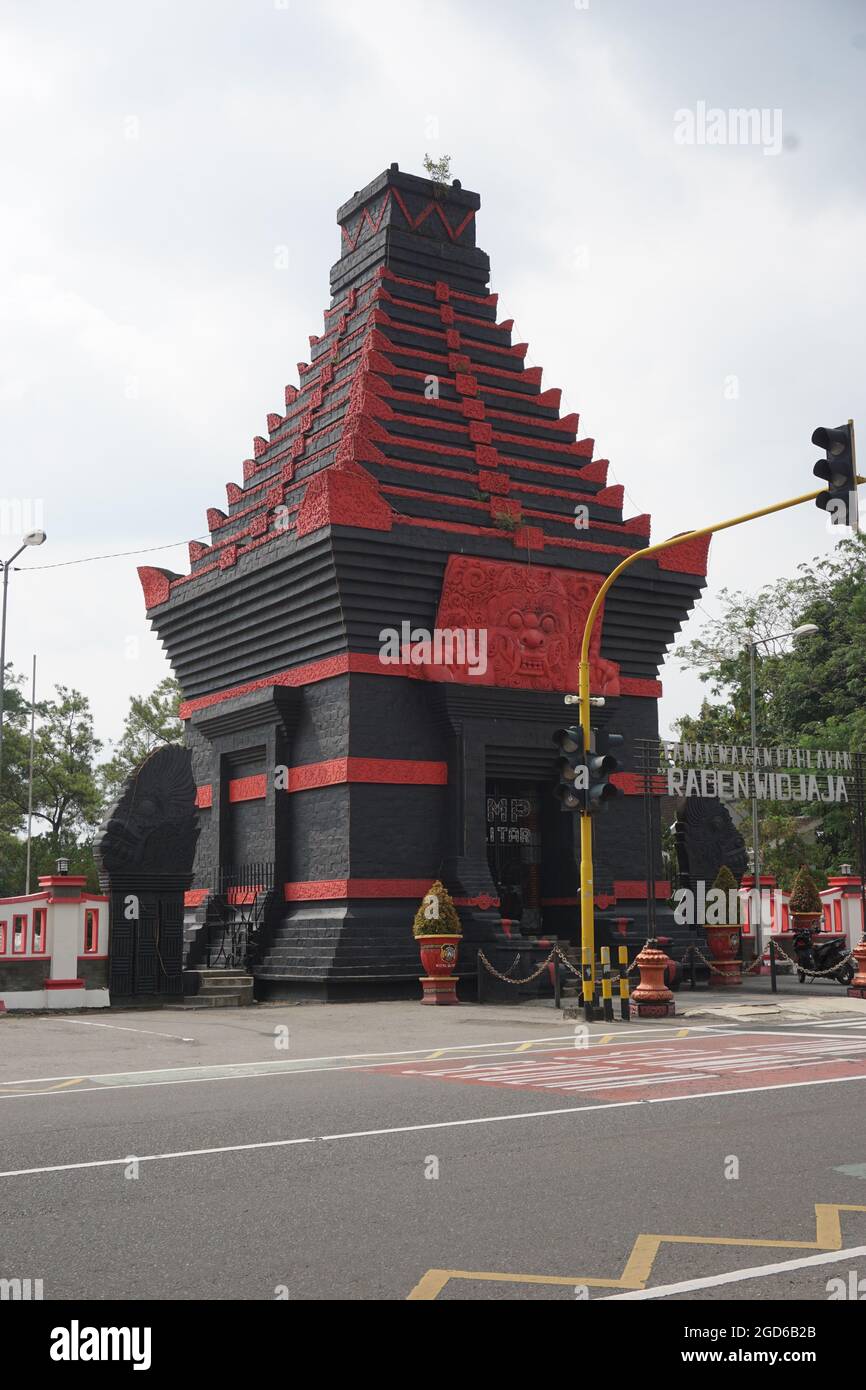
(439, 989)
(722, 978)
(652, 1009)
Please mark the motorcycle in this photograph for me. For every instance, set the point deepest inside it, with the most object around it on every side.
(817, 957)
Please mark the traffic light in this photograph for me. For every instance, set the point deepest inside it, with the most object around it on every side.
(839, 470)
(572, 784)
(584, 773)
(601, 764)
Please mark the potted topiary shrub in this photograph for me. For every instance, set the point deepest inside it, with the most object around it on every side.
(805, 904)
(722, 928)
(437, 930)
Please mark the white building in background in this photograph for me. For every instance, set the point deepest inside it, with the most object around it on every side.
(54, 946)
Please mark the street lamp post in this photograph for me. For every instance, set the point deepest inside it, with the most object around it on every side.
(805, 630)
(32, 538)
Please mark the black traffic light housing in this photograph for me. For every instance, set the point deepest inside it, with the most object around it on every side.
(601, 765)
(584, 773)
(839, 470)
(571, 787)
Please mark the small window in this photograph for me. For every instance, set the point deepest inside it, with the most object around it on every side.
(19, 935)
(2, 938)
(91, 930)
(39, 942)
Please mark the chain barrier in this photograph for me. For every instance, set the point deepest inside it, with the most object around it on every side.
(509, 980)
(757, 962)
(744, 969)
(557, 951)
(815, 974)
(569, 965)
(690, 950)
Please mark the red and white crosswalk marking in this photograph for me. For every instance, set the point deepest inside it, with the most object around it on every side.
(672, 1067)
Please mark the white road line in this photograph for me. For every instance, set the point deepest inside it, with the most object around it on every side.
(739, 1276)
(243, 1071)
(834, 1023)
(362, 1059)
(289, 1071)
(562, 1039)
(120, 1028)
(152, 1158)
(430, 1125)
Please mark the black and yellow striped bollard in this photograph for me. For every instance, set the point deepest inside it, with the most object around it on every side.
(624, 1011)
(606, 985)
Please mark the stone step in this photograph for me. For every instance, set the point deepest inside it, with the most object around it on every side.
(223, 979)
(224, 1000)
(231, 972)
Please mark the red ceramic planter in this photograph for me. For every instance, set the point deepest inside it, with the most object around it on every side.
(724, 943)
(439, 954)
(439, 959)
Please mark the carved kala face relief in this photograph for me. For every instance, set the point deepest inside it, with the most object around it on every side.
(533, 615)
(528, 639)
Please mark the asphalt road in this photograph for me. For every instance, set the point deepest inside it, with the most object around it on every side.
(173, 1155)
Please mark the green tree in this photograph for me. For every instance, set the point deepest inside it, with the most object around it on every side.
(66, 796)
(66, 799)
(13, 786)
(811, 694)
(151, 721)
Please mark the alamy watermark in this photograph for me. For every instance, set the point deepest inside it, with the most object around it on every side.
(853, 1288)
(21, 515)
(77, 1343)
(713, 907)
(444, 646)
(20, 1290)
(735, 126)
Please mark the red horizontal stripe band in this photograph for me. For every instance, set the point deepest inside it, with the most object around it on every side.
(636, 888)
(397, 771)
(335, 771)
(355, 663)
(248, 788)
(356, 888)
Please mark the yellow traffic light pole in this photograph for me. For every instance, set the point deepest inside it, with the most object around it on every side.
(587, 893)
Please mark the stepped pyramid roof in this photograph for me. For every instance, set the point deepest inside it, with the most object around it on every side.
(418, 435)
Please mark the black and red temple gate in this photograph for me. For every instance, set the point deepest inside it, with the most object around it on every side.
(418, 479)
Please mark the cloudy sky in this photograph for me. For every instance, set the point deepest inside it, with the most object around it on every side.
(701, 305)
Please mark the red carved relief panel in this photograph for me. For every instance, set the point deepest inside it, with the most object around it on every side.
(534, 617)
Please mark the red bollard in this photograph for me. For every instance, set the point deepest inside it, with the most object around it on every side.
(652, 998)
(857, 988)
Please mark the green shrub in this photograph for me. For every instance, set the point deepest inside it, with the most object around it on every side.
(805, 897)
(437, 915)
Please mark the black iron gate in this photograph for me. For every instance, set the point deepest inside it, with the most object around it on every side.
(236, 913)
(146, 937)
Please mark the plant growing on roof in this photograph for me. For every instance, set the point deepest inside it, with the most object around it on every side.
(439, 170)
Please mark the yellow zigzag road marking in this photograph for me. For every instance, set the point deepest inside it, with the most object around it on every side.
(638, 1266)
(60, 1086)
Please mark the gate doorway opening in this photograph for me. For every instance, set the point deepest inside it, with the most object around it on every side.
(514, 850)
